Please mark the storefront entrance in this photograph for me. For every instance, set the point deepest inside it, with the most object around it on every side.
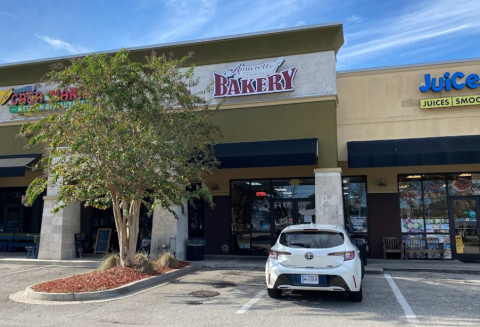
(464, 224)
(290, 212)
(262, 208)
(266, 225)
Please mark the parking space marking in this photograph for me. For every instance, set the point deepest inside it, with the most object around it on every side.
(21, 271)
(250, 303)
(411, 317)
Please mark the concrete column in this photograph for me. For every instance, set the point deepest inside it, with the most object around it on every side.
(329, 196)
(169, 234)
(57, 240)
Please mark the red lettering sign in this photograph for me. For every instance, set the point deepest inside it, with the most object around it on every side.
(261, 193)
(255, 79)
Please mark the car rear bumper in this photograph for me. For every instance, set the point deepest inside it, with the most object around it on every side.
(340, 278)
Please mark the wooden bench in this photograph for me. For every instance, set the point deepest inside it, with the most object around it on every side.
(424, 245)
(5, 239)
(21, 241)
(392, 245)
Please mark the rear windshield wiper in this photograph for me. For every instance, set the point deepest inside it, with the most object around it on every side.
(303, 245)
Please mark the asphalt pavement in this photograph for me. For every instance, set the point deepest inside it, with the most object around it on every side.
(393, 298)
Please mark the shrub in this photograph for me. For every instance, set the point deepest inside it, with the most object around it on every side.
(109, 261)
(166, 260)
(143, 264)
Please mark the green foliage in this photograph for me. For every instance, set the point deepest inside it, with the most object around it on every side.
(140, 135)
(166, 260)
(109, 261)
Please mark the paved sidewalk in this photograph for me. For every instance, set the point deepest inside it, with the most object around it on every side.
(374, 266)
(19, 258)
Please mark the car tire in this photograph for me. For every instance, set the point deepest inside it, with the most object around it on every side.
(274, 293)
(356, 296)
(363, 271)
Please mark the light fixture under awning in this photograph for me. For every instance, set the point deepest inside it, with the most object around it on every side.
(14, 165)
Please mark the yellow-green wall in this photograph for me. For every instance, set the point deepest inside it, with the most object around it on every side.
(284, 122)
(281, 122)
(10, 144)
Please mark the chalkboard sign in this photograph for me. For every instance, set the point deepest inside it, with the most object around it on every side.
(103, 240)
(79, 238)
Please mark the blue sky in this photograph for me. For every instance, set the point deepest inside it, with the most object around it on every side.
(377, 32)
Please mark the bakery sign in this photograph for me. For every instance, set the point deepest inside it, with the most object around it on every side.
(261, 78)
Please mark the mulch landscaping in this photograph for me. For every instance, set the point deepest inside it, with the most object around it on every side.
(98, 280)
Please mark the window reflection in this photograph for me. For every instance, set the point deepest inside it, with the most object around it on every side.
(355, 202)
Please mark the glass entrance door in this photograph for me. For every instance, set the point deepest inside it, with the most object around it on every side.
(463, 213)
(290, 212)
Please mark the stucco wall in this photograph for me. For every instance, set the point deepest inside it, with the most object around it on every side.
(385, 104)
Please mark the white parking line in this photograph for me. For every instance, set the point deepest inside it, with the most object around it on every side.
(406, 308)
(250, 303)
(21, 271)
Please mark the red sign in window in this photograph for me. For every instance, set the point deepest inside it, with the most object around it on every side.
(261, 193)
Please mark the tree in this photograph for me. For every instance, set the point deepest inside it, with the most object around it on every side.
(135, 133)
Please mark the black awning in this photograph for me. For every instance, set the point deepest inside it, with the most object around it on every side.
(452, 150)
(267, 153)
(14, 165)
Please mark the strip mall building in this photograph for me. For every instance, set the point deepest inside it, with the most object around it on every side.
(392, 152)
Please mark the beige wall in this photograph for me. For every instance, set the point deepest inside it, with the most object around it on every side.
(389, 174)
(385, 104)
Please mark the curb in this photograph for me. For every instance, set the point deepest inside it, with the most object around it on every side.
(123, 290)
(432, 270)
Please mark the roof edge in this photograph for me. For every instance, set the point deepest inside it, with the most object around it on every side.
(433, 63)
(179, 43)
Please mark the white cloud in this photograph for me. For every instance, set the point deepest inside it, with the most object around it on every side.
(354, 19)
(8, 14)
(62, 45)
(207, 18)
(184, 18)
(429, 21)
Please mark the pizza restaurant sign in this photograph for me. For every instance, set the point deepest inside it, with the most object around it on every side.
(23, 98)
(447, 82)
(261, 78)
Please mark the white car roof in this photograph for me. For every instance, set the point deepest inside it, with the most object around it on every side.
(325, 227)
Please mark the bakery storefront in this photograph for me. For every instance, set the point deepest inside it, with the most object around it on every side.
(278, 119)
(413, 133)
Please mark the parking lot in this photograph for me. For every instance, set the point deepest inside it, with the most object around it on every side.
(433, 300)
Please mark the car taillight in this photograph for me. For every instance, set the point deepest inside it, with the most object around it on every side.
(348, 255)
(275, 254)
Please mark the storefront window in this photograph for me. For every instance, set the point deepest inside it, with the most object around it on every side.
(261, 208)
(436, 206)
(303, 188)
(355, 202)
(411, 204)
(424, 208)
(463, 184)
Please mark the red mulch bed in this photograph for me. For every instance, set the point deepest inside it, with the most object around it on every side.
(97, 280)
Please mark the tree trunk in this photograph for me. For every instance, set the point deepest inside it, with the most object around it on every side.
(127, 228)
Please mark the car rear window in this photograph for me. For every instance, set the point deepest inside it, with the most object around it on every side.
(312, 239)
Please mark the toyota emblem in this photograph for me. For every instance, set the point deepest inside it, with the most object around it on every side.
(309, 255)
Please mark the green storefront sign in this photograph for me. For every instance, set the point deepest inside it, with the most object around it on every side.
(43, 106)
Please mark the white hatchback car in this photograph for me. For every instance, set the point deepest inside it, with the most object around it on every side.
(314, 258)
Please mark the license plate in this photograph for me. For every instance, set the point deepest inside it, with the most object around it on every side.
(309, 279)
